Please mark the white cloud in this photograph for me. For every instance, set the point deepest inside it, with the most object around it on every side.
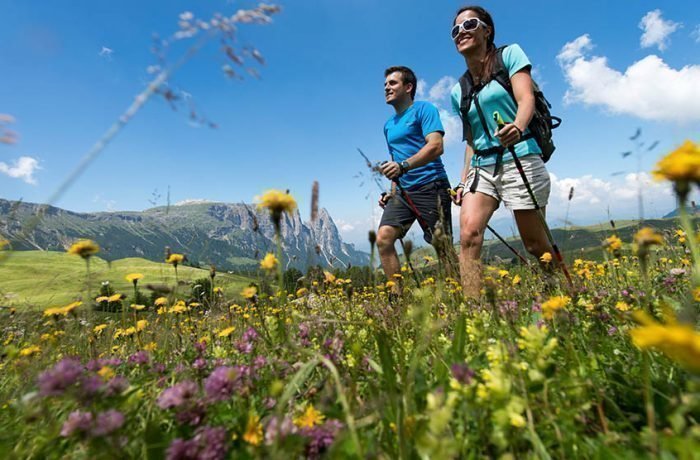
(439, 95)
(656, 30)
(441, 90)
(344, 226)
(420, 89)
(649, 89)
(23, 168)
(696, 34)
(453, 127)
(187, 201)
(575, 49)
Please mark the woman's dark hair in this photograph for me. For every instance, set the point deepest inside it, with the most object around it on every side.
(485, 16)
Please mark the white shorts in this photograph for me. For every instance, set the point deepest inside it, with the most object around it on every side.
(507, 186)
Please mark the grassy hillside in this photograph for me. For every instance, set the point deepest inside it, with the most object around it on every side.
(574, 242)
(38, 279)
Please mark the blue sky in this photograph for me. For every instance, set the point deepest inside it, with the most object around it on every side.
(607, 67)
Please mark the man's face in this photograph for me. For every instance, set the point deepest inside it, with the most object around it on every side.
(394, 88)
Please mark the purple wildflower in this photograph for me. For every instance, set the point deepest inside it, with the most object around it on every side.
(321, 437)
(224, 381)
(57, 379)
(304, 335)
(462, 373)
(276, 430)
(208, 443)
(177, 395)
(90, 385)
(77, 421)
(107, 422)
(192, 415)
(139, 358)
(199, 363)
(116, 385)
(158, 368)
(612, 330)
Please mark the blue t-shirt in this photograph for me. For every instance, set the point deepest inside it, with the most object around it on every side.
(494, 97)
(405, 135)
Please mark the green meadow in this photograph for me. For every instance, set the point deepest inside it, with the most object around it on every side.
(40, 279)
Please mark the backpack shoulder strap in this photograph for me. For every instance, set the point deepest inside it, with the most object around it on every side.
(500, 72)
(466, 85)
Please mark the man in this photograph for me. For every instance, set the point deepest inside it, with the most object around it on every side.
(420, 189)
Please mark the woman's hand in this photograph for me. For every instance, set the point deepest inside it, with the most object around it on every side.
(508, 135)
(456, 194)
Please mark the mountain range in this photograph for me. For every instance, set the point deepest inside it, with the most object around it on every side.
(231, 236)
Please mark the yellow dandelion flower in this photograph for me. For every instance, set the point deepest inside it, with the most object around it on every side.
(72, 306)
(226, 332)
(141, 325)
(390, 284)
(84, 248)
(253, 431)
(218, 290)
(516, 280)
(106, 373)
(249, 292)
(160, 301)
(677, 341)
(99, 328)
(102, 298)
(115, 297)
(622, 306)
(554, 304)
(137, 307)
(546, 258)
(647, 236)
(612, 244)
(696, 294)
(150, 346)
(175, 259)
(276, 202)
(30, 351)
(681, 165)
(301, 292)
(133, 277)
(329, 277)
(269, 262)
(309, 418)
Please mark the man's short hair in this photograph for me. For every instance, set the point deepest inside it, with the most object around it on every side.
(407, 76)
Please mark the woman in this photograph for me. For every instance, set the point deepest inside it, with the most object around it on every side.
(489, 175)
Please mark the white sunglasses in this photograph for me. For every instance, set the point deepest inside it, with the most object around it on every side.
(467, 26)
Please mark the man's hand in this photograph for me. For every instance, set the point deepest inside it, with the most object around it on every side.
(508, 135)
(391, 169)
(384, 199)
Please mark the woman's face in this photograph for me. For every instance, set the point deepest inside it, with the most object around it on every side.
(468, 41)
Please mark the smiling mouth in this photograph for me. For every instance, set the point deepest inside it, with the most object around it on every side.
(464, 39)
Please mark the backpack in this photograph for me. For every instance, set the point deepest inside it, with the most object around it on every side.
(541, 125)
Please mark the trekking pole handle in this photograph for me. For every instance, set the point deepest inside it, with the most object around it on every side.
(499, 120)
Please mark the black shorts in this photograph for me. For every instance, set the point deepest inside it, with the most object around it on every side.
(432, 201)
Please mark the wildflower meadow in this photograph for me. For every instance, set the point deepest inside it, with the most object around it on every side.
(335, 368)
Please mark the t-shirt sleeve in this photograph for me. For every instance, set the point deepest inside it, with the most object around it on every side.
(455, 98)
(430, 120)
(514, 59)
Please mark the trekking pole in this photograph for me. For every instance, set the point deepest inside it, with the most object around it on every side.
(384, 193)
(500, 238)
(512, 249)
(500, 123)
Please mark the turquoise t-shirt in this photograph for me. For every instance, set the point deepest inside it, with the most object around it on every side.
(493, 97)
(405, 135)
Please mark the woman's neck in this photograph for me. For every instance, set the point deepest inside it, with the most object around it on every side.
(476, 60)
